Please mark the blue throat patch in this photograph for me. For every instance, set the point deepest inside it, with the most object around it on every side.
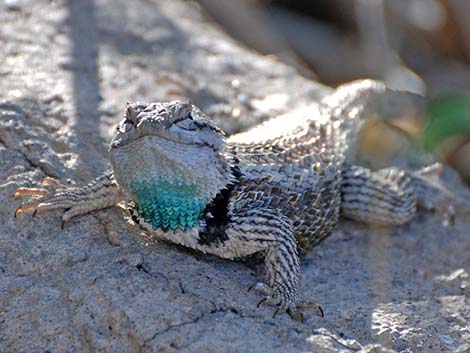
(167, 205)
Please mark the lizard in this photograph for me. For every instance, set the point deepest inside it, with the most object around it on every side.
(183, 181)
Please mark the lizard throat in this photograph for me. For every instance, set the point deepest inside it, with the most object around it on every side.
(171, 184)
(168, 205)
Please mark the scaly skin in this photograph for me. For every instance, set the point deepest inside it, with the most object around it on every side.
(275, 190)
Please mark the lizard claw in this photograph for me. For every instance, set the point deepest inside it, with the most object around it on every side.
(270, 298)
(448, 215)
(31, 192)
(433, 171)
(102, 192)
(282, 306)
(296, 315)
(261, 302)
(434, 196)
(45, 200)
(40, 193)
(309, 305)
(276, 312)
(294, 310)
(51, 183)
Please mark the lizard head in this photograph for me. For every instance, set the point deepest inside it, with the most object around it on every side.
(171, 160)
(177, 121)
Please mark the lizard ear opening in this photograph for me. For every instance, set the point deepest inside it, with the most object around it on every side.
(186, 124)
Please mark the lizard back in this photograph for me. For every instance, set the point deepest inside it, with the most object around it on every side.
(293, 163)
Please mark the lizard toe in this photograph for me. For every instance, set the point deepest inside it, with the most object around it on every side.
(282, 301)
(311, 306)
(30, 192)
(295, 314)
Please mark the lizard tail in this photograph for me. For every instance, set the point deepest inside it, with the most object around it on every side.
(353, 103)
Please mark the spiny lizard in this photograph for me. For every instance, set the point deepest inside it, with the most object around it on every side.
(275, 190)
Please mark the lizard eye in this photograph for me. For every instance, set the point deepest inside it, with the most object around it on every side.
(125, 125)
(186, 124)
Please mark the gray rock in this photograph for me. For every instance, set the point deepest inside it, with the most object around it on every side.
(100, 286)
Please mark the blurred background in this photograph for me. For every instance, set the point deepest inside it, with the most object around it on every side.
(421, 46)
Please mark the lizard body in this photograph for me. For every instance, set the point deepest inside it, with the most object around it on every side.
(276, 190)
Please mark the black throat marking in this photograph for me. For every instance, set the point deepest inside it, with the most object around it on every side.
(215, 214)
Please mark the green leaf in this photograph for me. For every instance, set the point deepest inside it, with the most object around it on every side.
(447, 116)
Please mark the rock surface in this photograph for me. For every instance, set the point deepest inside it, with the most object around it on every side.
(99, 286)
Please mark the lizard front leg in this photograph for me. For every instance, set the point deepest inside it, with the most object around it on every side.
(269, 231)
(100, 193)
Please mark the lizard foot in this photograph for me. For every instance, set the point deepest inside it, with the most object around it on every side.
(41, 193)
(284, 302)
(52, 196)
(38, 192)
(101, 192)
(434, 196)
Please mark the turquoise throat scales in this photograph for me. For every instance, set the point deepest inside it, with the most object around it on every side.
(168, 205)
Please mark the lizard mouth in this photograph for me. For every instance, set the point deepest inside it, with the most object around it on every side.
(124, 139)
